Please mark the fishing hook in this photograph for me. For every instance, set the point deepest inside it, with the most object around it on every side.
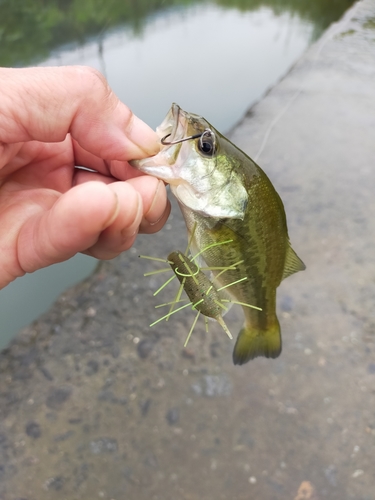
(169, 143)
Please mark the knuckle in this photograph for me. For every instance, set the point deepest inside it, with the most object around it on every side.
(90, 74)
(92, 81)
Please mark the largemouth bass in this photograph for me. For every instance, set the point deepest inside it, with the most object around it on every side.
(224, 195)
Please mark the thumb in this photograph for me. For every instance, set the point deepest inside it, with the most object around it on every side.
(45, 104)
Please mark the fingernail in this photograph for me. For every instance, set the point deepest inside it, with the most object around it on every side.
(153, 215)
(115, 211)
(144, 138)
(130, 231)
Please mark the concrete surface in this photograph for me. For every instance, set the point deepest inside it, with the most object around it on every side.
(95, 404)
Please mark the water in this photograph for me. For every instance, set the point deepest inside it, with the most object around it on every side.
(215, 60)
(174, 62)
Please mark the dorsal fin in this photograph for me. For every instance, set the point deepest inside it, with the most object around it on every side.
(293, 263)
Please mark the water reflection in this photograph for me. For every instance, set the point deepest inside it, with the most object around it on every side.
(29, 29)
(213, 58)
(184, 57)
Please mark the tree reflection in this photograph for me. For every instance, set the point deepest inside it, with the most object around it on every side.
(30, 29)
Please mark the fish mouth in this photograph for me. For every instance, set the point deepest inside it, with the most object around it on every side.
(173, 127)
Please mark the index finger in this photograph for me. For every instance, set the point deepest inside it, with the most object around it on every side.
(119, 170)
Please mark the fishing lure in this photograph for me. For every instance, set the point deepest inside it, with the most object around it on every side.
(204, 296)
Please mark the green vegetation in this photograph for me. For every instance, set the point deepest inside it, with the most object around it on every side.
(370, 23)
(346, 33)
(320, 12)
(30, 29)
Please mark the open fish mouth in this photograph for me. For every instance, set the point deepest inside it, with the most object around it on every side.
(171, 132)
(173, 127)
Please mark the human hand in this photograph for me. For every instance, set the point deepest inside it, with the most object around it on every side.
(52, 120)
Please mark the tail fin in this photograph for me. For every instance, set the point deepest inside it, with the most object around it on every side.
(252, 343)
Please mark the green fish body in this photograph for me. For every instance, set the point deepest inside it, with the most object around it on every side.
(224, 195)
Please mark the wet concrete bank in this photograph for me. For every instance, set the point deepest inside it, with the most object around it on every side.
(95, 404)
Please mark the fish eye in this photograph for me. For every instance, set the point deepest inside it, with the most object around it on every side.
(207, 143)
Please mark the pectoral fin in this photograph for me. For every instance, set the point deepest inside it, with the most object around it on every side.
(293, 263)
